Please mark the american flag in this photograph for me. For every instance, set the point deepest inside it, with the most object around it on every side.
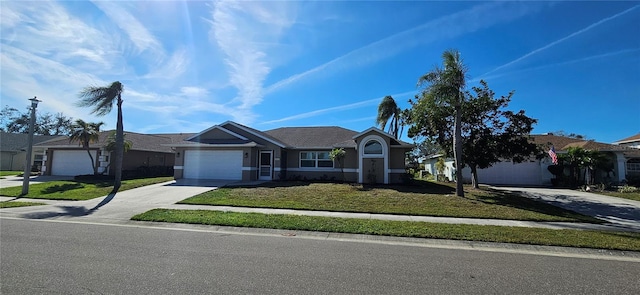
(553, 155)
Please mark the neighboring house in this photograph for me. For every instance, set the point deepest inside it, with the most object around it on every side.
(148, 151)
(632, 158)
(236, 152)
(13, 149)
(535, 173)
(631, 142)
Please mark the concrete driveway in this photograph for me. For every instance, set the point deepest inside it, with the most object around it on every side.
(118, 208)
(620, 212)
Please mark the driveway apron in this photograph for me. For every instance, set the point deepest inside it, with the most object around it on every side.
(619, 212)
(119, 207)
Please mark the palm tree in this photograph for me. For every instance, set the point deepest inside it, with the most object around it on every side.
(86, 133)
(447, 84)
(101, 99)
(389, 110)
(111, 145)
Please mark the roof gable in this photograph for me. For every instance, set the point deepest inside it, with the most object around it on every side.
(630, 139)
(217, 134)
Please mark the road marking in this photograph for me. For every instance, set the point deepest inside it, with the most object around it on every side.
(568, 252)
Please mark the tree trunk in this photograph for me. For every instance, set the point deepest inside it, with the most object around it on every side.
(474, 175)
(457, 149)
(93, 163)
(119, 148)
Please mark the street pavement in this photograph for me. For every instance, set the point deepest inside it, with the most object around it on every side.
(68, 257)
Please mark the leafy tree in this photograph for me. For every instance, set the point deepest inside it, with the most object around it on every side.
(101, 100)
(489, 133)
(86, 133)
(46, 124)
(579, 160)
(445, 87)
(389, 110)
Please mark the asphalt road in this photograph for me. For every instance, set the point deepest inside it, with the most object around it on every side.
(48, 257)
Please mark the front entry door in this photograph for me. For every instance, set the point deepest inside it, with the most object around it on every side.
(265, 168)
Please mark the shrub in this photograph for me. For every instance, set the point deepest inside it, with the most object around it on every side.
(628, 189)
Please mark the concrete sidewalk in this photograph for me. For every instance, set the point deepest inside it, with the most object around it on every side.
(414, 218)
(121, 207)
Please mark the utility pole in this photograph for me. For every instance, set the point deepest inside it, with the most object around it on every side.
(29, 161)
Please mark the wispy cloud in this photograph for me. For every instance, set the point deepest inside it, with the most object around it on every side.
(242, 30)
(171, 69)
(446, 27)
(138, 34)
(581, 31)
(355, 105)
(579, 60)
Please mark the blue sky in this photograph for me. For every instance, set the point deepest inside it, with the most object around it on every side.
(188, 65)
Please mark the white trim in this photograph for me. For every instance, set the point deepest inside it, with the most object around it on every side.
(178, 167)
(333, 164)
(398, 171)
(202, 145)
(244, 168)
(373, 129)
(309, 169)
(253, 133)
(385, 156)
(270, 176)
(219, 128)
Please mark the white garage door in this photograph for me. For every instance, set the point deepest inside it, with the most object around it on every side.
(72, 163)
(526, 173)
(213, 165)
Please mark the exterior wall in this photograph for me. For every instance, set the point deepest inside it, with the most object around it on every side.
(349, 173)
(135, 160)
(48, 156)
(12, 161)
(397, 165)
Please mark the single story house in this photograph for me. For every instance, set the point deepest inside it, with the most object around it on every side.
(13, 149)
(626, 161)
(236, 152)
(66, 158)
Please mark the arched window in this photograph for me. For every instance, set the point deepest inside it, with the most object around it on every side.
(373, 147)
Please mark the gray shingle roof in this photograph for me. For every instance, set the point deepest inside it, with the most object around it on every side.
(314, 137)
(140, 142)
(19, 141)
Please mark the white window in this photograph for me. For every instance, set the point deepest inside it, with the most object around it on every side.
(633, 165)
(373, 147)
(315, 160)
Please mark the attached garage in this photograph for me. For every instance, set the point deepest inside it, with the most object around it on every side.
(208, 164)
(72, 162)
(526, 173)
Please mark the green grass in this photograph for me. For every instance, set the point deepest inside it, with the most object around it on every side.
(13, 204)
(631, 196)
(502, 234)
(10, 173)
(423, 198)
(77, 190)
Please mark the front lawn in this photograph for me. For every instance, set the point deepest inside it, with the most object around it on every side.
(486, 233)
(421, 198)
(77, 190)
(10, 173)
(13, 204)
(631, 195)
